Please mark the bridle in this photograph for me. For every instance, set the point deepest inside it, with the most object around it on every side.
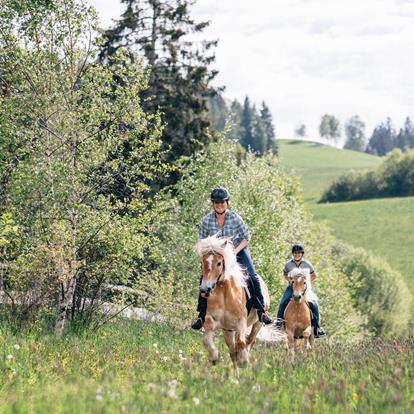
(306, 287)
(218, 282)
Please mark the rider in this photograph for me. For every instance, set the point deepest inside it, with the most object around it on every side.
(299, 262)
(226, 223)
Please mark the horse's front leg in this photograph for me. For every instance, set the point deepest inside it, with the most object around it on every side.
(291, 343)
(251, 340)
(242, 351)
(230, 338)
(208, 340)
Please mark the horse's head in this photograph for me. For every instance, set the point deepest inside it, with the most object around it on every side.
(299, 286)
(213, 272)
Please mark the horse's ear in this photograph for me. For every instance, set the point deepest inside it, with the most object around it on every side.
(224, 244)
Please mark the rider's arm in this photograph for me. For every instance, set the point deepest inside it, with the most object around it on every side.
(241, 246)
(313, 276)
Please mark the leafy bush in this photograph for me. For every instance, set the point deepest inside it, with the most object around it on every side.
(393, 178)
(379, 292)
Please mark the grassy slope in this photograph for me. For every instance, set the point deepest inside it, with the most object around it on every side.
(318, 165)
(384, 226)
(142, 367)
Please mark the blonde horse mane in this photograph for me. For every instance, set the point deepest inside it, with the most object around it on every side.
(224, 247)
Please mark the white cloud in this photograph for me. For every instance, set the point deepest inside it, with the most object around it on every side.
(309, 57)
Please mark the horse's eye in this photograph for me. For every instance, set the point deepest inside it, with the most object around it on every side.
(218, 264)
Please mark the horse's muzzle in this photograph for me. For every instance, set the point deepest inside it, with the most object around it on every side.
(297, 298)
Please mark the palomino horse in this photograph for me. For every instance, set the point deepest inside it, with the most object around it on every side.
(297, 314)
(223, 284)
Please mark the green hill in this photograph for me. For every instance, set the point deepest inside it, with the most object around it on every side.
(318, 164)
(383, 226)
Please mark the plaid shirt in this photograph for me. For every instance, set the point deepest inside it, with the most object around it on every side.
(234, 227)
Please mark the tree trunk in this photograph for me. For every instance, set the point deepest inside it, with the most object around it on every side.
(68, 290)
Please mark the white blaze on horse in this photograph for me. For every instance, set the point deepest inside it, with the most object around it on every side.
(298, 323)
(224, 285)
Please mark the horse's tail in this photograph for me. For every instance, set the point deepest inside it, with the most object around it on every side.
(271, 334)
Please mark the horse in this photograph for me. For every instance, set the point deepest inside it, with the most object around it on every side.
(224, 285)
(297, 314)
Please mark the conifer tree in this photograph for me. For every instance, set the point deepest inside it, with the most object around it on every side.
(179, 81)
(267, 121)
(382, 139)
(247, 124)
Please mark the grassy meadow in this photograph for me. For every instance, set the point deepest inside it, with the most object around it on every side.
(134, 367)
(318, 164)
(383, 226)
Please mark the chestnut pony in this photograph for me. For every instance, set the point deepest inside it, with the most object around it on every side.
(297, 314)
(223, 284)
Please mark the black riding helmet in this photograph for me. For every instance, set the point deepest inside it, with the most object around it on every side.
(298, 248)
(220, 194)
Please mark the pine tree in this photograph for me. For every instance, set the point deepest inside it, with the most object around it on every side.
(179, 80)
(382, 139)
(409, 132)
(247, 124)
(260, 140)
(267, 121)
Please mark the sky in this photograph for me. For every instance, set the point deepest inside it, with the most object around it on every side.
(305, 58)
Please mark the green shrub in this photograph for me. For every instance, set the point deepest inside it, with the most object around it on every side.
(379, 292)
(393, 178)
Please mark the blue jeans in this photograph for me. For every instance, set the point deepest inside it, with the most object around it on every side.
(286, 299)
(244, 259)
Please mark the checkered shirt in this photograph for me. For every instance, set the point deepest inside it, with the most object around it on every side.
(234, 227)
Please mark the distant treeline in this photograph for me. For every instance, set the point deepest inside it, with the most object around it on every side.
(253, 129)
(383, 139)
(393, 178)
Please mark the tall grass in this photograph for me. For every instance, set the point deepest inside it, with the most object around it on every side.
(134, 367)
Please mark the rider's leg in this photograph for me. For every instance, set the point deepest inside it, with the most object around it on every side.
(243, 257)
(287, 295)
(202, 310)
(316, 319)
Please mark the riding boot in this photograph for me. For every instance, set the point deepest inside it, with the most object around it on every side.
(318, 331)
(198, 324)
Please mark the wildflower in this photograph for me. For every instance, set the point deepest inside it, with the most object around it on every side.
(196, 401)
(256, 388)
(165, 358)
(16, 346)
(171, 393)
(155, 345)
(98, 397)
(9, 357)
(172, 383)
